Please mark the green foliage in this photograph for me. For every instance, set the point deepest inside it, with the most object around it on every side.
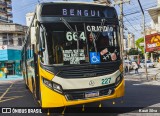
(133, 51)
(138, 41)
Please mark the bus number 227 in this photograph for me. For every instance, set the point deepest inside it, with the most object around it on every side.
(106, 81)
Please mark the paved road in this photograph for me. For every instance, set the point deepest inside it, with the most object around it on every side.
(138, 94)
(14, 94)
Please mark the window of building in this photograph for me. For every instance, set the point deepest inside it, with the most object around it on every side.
(5, 41)
(10, 38)
(19, 41)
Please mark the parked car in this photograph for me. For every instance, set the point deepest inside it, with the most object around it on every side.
(128, 63)
(148, 62)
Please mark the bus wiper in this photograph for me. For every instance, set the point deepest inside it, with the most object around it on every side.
(67, 24)
(71, 29)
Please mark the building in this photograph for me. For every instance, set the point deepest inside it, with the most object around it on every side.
(129, 42)
(155, 15)
(11, 39)
(29, 17)
(5, 11)
(153, 34)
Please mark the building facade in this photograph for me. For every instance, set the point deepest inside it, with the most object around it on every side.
(6, 11)
(131, 41)
(11, 40)
(153, 33)
(155, 23)
(29, 17)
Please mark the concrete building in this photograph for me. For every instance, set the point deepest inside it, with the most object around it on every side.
(129, 42)
(155, 23)
(5, 11)
(11, 39)
(29, 17)
(153, 34)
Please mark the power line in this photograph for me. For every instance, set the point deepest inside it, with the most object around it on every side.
(138, 11)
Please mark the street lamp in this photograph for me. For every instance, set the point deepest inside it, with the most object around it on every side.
(143, 18)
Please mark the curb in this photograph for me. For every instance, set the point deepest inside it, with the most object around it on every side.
(141, 77)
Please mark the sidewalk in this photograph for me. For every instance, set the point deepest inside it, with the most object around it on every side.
(11, 77)
(142, 75)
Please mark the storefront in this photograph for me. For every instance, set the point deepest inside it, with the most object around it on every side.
(10, 58)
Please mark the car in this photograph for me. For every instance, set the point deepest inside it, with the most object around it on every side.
(128, 63)
(149, 64)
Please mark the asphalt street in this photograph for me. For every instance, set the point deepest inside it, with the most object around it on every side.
(138, 94)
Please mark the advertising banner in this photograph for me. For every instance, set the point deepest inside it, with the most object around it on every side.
(152, 42)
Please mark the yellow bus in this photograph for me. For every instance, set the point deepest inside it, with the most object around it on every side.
(72, 54)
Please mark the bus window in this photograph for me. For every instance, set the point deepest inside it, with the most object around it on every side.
(65, 47)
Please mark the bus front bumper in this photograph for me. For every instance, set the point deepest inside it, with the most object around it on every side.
(52, 99)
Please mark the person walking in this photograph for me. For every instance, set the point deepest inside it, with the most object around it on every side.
(136, 67)
(5, 71)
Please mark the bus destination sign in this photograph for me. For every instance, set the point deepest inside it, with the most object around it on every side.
(76, 10)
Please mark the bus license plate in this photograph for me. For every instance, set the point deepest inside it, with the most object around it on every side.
(91, 94)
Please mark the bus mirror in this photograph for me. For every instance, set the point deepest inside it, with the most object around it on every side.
(33, 35)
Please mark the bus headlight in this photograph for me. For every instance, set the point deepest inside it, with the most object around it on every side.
(54, 86)
(118, 79)
(47, 83)
(57, 87)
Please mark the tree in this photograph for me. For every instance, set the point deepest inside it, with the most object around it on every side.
(133, 51)
(138, 41)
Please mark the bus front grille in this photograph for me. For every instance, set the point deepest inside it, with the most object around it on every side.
(88, 71)
(81, 95)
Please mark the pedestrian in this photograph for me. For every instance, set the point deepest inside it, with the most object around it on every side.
(5, 71)
(136, 67)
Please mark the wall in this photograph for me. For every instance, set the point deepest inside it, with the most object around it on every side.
(3, 55)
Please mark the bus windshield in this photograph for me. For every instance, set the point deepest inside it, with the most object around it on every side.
(85, 40)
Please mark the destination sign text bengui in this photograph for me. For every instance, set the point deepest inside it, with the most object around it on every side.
(77, 10)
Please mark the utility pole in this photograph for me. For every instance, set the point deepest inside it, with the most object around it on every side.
(145, 54)
(120, 3)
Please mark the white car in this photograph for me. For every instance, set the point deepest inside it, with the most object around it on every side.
(128, 63)
(149, 64)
